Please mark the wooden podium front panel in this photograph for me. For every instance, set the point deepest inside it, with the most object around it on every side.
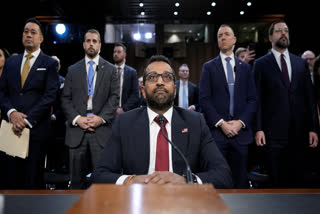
(150, 199)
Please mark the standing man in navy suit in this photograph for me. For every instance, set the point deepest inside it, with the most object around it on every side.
(187, 93)
(137, 151)
(228, 101)
(28, 88)
(128, 80)
(287, 121)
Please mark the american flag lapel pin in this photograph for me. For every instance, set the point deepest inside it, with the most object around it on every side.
(185, 130)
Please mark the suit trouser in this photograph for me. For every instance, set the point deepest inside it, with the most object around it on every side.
(18, 173)
(285, 164)
(83, 159)
(237, 157)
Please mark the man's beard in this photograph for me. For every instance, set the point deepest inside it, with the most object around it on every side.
(159, 102)
(91, 54)
(282, 44)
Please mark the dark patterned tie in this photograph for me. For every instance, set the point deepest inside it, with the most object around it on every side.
(284, 69)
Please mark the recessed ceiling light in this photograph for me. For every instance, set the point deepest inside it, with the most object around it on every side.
(249, 4)
(175, 13)
(241, 12)
(209, 13)
(213, 4)
(142, 13)
(141, 4)
(177, 4)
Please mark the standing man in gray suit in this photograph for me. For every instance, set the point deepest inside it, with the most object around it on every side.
(89, 100)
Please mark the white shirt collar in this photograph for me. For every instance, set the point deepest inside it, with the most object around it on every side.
(223, 56)
(35, 54)
(121, 66)
(152, 115)
(95, 60)
(277, 53)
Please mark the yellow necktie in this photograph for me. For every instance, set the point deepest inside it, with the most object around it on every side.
(25, 69)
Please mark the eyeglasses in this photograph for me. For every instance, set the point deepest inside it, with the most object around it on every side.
(278, 30)
(154, 76)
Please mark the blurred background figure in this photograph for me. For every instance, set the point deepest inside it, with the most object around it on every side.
(3, 55)
(310, 57)
(142, 100)
(245, 54)
(187, 96)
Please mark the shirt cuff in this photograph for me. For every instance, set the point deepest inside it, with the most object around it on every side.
(74, 122)
(29, 124)
(199, 180)
(217, 124)
(121, 179)
(243, 125)
(9, 112)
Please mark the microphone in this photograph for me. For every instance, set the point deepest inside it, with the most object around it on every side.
(97, 68)
(234, 69)
(189, 173)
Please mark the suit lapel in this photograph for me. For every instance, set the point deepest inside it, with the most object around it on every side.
(100, 76)
(273, 62)
(143, 143)
(293, 72)
(83, 76)
(238, 73)
(180, 137)
(17, 74)
(221, 73)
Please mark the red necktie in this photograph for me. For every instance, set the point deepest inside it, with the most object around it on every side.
(162, 154)
(285, 73)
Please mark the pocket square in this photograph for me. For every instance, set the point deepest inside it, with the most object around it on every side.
(41, 69)
(185, 130)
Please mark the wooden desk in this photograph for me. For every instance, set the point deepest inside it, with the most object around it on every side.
(239, 201)
(150, 199)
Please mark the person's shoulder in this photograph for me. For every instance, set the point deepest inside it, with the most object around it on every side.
(212, 61)
(187, 114)
(130, 68)
(106, 63)
(192, 84)
(133, 113)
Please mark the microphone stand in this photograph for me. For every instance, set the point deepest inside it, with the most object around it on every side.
(188, 172)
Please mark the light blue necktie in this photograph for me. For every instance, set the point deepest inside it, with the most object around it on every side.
(90, 79)
(184, 96)
(230, 84)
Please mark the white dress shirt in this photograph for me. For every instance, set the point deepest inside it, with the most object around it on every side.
(154, 129)
(95, 63)
(121, 81)
(181, 93)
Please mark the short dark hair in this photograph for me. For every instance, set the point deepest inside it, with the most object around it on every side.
(36, 21)
(158, 58)
(184, 65)
(121, 45)
(92, 31)
(271, 28)
(226, 25)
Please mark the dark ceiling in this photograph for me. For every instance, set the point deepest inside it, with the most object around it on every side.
(156, 11)
(299, 15)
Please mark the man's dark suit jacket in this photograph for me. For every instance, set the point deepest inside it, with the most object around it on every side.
(36, 96)
(215, 97)
(193, 94)
(74, 99)
(127, 151)
(130, 89)
(280, 107)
